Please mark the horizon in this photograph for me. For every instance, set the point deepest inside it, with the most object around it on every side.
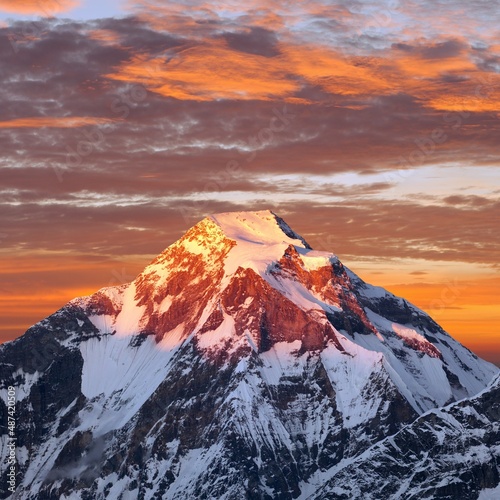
(371, 129)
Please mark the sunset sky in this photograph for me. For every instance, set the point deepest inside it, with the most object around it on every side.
(371, 127)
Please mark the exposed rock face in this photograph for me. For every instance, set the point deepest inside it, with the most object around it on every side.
(260, 309)
(240, 364)
(187, 279)
(331, 284)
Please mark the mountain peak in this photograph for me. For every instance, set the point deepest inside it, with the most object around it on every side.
(242, 239)
(261, 227)
(254, 239)
(241, 349)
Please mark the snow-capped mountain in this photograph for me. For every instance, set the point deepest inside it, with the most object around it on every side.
(239, 364)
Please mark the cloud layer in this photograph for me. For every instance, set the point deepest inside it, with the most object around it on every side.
(372, 127)
(128, 124)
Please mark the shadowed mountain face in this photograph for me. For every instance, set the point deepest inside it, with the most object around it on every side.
(239, 364)
(452, 452)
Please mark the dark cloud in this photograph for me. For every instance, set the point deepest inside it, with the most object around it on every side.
(137, 35)
(256, 40)
(450, 78)
(442, 50)
(471, 200)
(439, 50)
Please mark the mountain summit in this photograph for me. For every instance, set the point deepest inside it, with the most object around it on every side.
(240, 363)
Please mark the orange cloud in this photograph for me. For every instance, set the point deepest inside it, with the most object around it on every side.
(215, 71)
(54, 122)
(445, 75)
(422, 69)
(446, 82)
(106, 37)
(334, 73)
(480, 98)
(208, 72)
(46, 8)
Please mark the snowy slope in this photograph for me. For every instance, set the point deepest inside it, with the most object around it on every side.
(452, 452)
(239, 360)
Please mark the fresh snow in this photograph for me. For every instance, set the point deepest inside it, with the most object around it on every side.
(350, 372)
(120, 378)
(23, 389)
(300, 295)
(282, 360)
(261, 228)
(217, 337)
(490, 494)
(128, 321)
(408, 333)
(259, 239)
(314, 259)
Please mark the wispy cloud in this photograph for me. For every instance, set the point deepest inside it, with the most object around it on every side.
(54, 122)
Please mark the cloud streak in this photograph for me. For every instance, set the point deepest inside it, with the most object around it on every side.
(54, 122)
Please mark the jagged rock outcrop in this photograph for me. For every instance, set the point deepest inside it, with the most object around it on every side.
(449, 453)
